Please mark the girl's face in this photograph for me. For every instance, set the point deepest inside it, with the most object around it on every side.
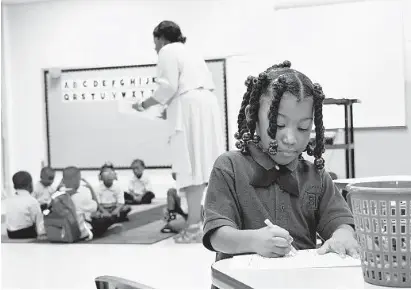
(47, 179)
(108, 177)
(294, 124)
(138, 169)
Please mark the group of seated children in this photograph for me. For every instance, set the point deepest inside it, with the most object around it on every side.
(96, 210)
(139, 189)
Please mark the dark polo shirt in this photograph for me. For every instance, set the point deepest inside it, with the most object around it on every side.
(244, 190)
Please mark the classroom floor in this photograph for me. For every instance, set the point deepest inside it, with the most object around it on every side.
(161, 265)
(54, 266)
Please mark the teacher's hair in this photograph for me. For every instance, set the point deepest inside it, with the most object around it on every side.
(170, 31)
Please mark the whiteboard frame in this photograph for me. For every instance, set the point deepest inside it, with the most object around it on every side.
(46, 72)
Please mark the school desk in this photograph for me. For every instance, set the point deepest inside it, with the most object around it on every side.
(226, 276)
(76, 266)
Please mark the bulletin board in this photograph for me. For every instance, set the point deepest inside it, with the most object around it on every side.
(89, 121)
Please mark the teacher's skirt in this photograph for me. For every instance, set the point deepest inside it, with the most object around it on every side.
(197, 136)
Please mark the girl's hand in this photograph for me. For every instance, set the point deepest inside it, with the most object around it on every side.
(271, 242)
(342, 242)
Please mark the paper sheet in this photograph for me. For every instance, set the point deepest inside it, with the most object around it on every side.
(153, 113)
(302, 259)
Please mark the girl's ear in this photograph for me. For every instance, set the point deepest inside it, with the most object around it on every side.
(247, 113)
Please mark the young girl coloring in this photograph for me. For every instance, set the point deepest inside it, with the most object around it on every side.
(268, 179)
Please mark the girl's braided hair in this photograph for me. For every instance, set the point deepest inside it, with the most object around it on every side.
(277, 80)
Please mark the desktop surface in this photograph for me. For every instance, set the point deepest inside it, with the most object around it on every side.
(224, 275)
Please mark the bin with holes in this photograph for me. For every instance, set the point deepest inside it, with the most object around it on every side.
(382, 215)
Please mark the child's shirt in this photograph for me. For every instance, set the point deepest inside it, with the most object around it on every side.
(43, 193)
(84, 203)
(139, 185)
(243, 192)
(23, 211)
(110, 196)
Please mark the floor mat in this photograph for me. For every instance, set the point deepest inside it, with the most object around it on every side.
(119, 234)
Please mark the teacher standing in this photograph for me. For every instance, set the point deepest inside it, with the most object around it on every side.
(185, 86)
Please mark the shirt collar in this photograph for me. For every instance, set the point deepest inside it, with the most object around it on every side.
(267, 172)
(22, 192)
(136, 178)
(264, 160)
(104, 187)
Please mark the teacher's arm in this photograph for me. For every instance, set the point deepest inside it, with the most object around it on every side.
(167, 80)
(149, 102)
(141, 106)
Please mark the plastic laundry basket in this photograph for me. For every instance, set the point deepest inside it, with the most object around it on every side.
(382, 215)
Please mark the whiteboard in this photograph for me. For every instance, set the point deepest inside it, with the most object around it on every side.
(354, 50)
(89, 120)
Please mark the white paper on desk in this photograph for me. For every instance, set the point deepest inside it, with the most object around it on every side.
(303, 259)
(153, 113)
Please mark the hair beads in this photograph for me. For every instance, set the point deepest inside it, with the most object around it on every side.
(319, 148)
(277, 80)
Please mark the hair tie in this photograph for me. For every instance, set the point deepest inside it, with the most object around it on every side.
(249, 81)
(263, 79)
(279, 84)
(318, 91)
(286, 64)
(262, 76)
(318, 87)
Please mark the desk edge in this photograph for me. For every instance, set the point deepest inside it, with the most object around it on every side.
(226, 280)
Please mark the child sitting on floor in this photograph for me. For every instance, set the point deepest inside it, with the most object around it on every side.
(173, 208)
(139, 190)
(44, 188)
(24, 218)
(111, 197)
(86, 204)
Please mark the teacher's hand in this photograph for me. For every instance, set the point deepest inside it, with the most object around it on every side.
(138, 106)
(163, 115)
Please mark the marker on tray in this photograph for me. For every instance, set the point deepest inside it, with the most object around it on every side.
(270, 224)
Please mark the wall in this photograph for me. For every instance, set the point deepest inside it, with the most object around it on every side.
(384, 151)
(5, 108)
(103, 33)
(107, 33)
